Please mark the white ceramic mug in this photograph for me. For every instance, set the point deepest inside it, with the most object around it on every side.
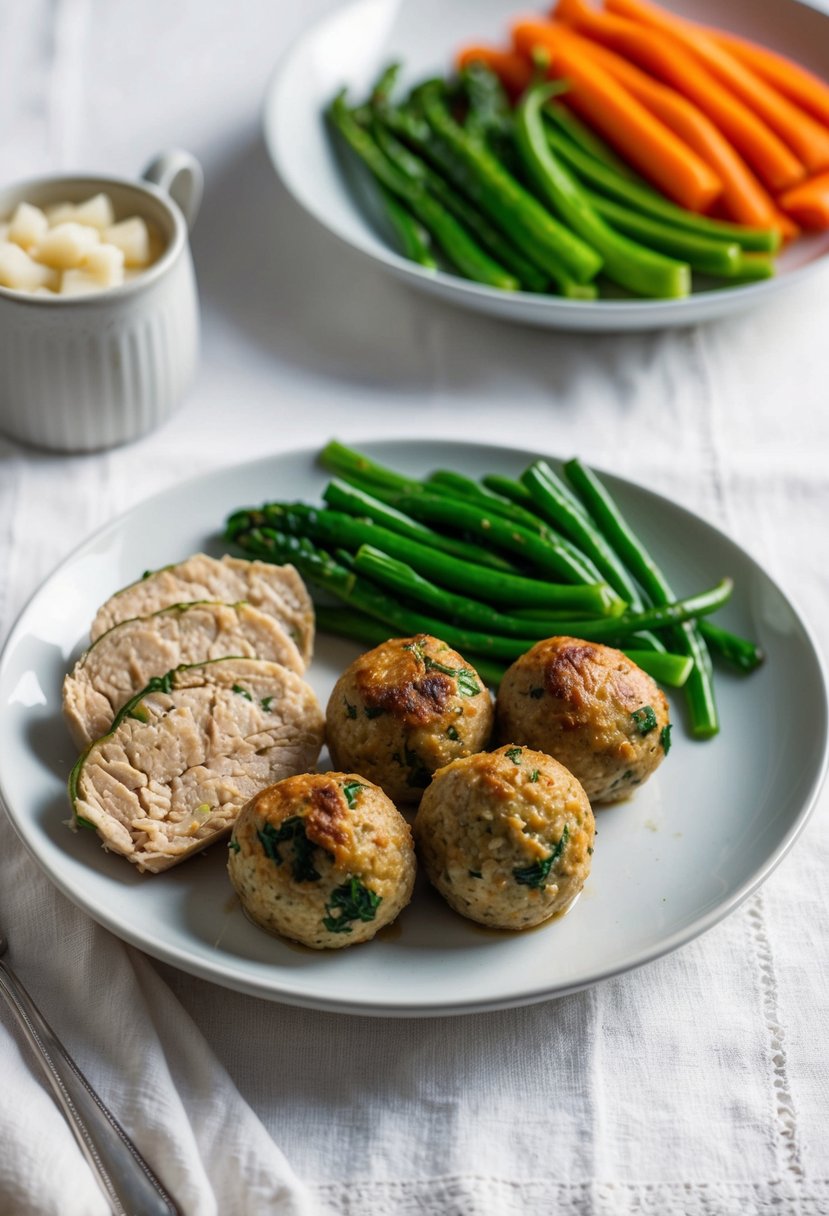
(83, 373)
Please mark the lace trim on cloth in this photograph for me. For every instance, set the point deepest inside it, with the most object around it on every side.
(789, 1156)
(477, 1196)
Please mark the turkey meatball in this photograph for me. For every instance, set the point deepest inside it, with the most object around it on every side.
(405, 709)
(506, 837)
(325, 859)
(592, 708)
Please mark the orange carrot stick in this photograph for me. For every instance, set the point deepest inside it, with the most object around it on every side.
(795, 82)
(809, 140)
(666, 57)
(514, 71)
(808, 203)
(645, 141)
(745, 199)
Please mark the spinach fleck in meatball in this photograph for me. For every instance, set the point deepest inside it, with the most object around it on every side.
(506, 837)
(325, 859)
(403, 710)
(592, 708)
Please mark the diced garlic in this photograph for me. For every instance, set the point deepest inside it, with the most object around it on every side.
(66, 245)
(97, 211)
(28, 225)
(133, 238)
(80, 241)
(20, 272)
(60, 213)
(79, 283)
(106, 264)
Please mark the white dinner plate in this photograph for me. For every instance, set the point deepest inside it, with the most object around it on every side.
(349, 45)
(682, 853)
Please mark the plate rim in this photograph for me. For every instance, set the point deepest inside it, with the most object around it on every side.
(228, 976)
(545, 309)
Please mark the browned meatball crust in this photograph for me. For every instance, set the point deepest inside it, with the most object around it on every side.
(592, 708)
(325, 859)
(506, 836)
(403, 710)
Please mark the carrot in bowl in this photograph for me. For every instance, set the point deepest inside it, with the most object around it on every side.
(797, 83)
(744, 198)
(514, 71)
(665, 56)
(808, 203)
(808, 139)
(645, 141)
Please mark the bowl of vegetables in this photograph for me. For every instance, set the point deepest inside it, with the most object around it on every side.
(629, 167)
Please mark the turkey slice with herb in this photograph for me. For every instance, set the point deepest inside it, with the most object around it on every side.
(124, 659)
(185, 755)
(277, 590)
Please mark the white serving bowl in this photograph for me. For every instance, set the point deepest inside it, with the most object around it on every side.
(351, 44)
(83, 373)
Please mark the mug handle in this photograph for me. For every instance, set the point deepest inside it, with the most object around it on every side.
(180, 175)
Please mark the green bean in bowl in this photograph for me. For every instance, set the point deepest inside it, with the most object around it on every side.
(524, 198)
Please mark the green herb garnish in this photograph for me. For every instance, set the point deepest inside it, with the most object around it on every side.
(266, 703)
(467, 684)
(350, 710)
(665, 738)
(433, 665)
(161, 683)
(513, 754)
(536, 693)
(644, 719)
(233, 845)
(351, 901)
(241, 692)
(474, 873)
(373, 711)
(351, 789)
(534, 776)
(84, 823)
(451, 733)
(536, 875)
(290, 831)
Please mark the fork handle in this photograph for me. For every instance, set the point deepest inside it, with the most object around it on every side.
(129, 1184)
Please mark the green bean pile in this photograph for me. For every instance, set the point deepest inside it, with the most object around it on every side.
(491, 567)
(529, 199)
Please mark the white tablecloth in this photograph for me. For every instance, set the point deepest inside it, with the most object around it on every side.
(697, 1085)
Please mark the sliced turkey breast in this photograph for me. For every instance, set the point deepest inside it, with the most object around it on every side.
(123, 660)
(277, 590)
(186, 754)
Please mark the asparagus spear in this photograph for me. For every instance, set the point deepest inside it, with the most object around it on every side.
(354, 501)
(319, 567)
(546, 552)
(555, 502)
(688, 639)
(333, 528)
(457, 486)
(670, 669)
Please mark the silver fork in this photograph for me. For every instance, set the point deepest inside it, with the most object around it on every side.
(122, 1173)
